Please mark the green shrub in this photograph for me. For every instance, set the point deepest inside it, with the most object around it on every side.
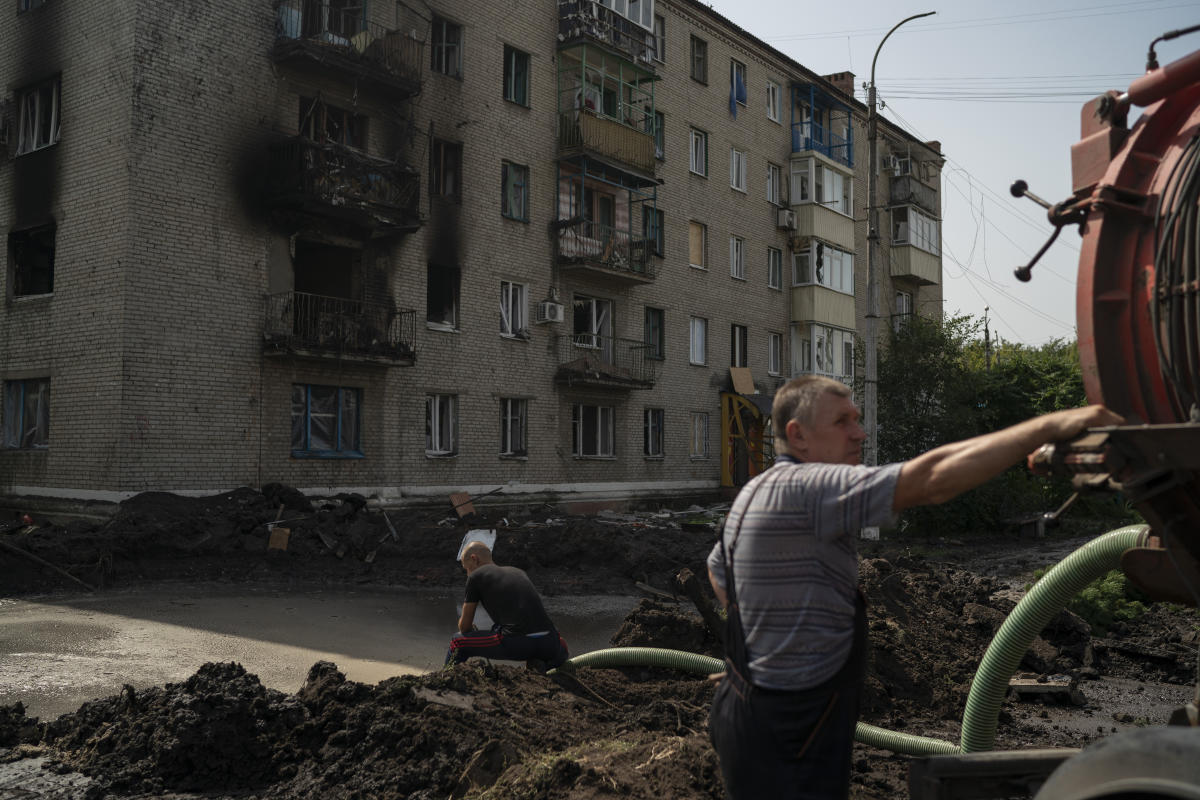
(1105, 600)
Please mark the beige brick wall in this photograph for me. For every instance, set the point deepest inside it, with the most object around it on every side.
(153, 337)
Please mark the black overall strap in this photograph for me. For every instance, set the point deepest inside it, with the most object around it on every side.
(737, 657)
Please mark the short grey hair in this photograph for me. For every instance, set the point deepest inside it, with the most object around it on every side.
(797, 400)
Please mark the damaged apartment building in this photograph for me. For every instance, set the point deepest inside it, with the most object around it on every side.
(567, 248)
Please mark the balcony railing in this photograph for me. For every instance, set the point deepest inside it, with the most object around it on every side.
(587, 19)
(603, 247)
(811, 136)
(630, 142)
(337, 36)
(298, 323)
(906, 189)
(341, 182)
(590, 359)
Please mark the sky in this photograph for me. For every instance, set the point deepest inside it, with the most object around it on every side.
(1001, 87)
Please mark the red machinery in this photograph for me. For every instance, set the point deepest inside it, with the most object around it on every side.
(1137, 201)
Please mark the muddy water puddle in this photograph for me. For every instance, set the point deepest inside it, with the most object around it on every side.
(57, 652)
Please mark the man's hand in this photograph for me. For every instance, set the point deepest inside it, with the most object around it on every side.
(1063, 425)
(947, 471)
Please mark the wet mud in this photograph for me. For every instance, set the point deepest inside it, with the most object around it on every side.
(501, 731)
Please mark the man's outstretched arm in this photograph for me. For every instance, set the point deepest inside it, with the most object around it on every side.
(947, 471)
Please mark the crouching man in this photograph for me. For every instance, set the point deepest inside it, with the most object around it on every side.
(522, 630)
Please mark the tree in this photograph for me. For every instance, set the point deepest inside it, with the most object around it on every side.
(935, 387)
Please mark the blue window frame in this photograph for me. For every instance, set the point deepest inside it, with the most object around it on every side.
(326, 421)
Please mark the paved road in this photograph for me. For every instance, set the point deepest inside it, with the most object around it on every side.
(57, 652)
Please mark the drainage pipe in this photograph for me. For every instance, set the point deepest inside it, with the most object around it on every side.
(1035, 610)
(706, 665)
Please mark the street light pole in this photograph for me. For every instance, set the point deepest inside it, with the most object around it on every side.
(870, 388)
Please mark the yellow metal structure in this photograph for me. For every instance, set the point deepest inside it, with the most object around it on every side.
(747, 446)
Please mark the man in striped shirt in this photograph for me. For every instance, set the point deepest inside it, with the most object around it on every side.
(786, 567)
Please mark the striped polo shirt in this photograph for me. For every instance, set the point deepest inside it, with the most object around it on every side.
(796, 565)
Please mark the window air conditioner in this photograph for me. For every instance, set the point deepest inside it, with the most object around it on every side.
(787, 219)
(549, 311)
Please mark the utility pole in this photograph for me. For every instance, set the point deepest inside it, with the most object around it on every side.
(870, 388)
(987, 341)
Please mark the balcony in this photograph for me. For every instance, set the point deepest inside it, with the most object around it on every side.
(313, 326)
(604, 362)
(815, 219)
(808, 136)
(584, 131)
(581, 21)
(909, 261)
(586, 245)
(328, 181)
(907, 190)
(823, 305)
(323, 36)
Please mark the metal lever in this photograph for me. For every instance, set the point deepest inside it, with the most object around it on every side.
(1021, 189)
(1058, 214)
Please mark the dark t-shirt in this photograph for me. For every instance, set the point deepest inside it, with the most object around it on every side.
(509, 598)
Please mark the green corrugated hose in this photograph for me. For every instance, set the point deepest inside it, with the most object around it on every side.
(706, 665)
(1040, 604)
(1047, 597)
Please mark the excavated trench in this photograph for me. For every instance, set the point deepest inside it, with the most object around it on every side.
(501, 731)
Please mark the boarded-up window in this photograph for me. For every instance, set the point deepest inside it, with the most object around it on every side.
(696, 236)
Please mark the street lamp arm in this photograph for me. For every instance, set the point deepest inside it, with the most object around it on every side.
(889, 33)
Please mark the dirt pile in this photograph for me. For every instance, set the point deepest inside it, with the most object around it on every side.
(342, 539)
(435, 736)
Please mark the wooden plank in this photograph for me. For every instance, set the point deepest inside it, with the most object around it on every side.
(461, 501)
(743, 383)
(279, 539)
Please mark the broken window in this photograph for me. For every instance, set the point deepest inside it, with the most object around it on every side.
(514, 299)
(738, 349)
(592, 431)
(445, 169)
(27, 414)
(325, 421)
(441, 424)
(37, 121)
(441, 297)
(31, 259)
(593, 322)
(652, 433)
(699, 445)
(331, 21)
(516, 76)
(514, 199)
(446, 47)
(655, 346)
(26, 5)
(327, 124)
(512, 426)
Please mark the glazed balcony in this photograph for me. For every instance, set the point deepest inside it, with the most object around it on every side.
(808, 136)
(583, 21)
(306, 325)
(331, 36)
(604, 362)
(586, 245)
(584, 131)
(328, 181)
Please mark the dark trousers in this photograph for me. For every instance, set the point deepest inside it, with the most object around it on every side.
(550, 649)
(789, 744)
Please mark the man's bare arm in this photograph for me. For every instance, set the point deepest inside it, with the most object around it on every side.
(722, 598)
(467, 621)
(947, 471)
